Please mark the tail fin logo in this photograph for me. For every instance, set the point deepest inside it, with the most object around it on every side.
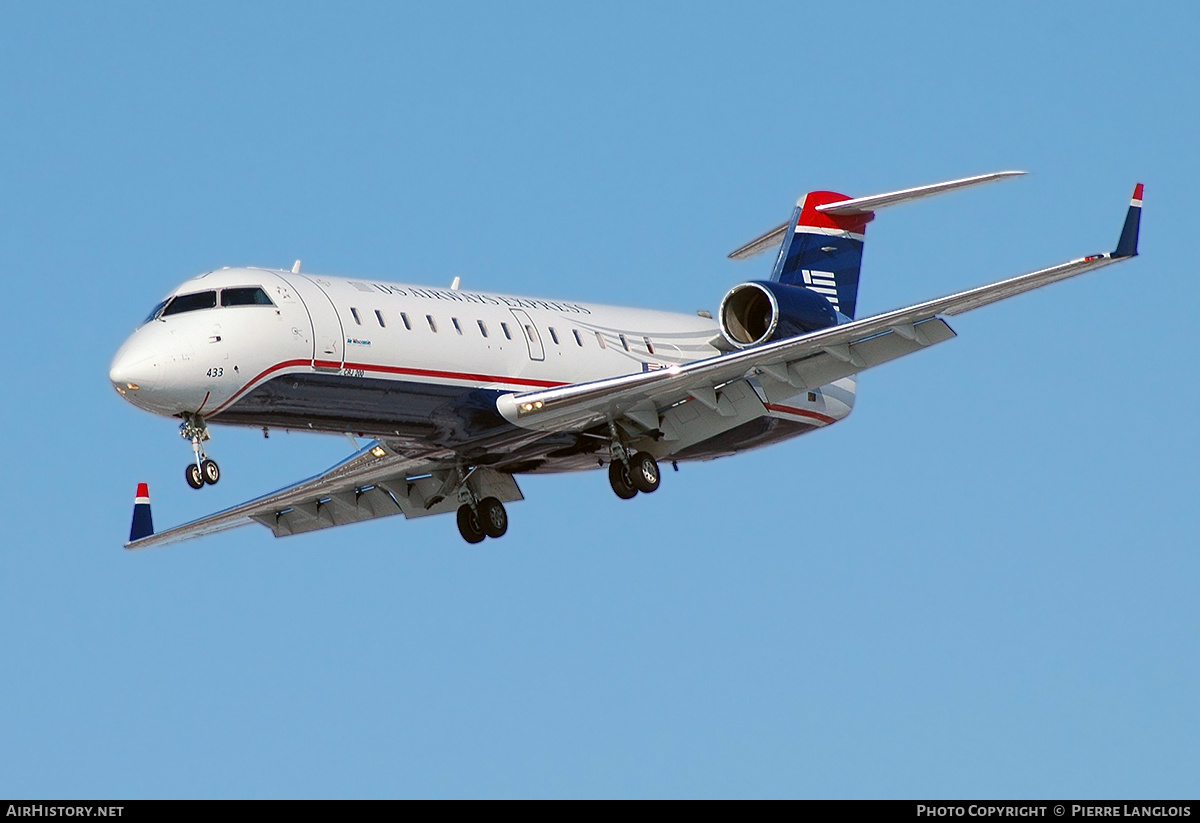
(824, 283)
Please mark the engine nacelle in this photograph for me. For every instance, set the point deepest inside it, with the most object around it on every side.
(758, 311)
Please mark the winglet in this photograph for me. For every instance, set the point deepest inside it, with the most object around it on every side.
(1127, 245)
(143, 524)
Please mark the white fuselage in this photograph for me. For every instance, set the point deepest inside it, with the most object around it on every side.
(421, 366)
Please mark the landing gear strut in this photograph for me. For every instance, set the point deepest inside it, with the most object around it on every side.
(201, 470)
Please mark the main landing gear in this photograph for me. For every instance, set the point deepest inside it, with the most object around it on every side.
(487, 518)
(201, 470)
(477, 518)
(629, 475)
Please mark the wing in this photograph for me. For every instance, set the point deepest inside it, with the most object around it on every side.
(374, 482)
(785, 366)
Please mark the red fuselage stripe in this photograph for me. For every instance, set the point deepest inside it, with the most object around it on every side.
(824, 418)
(457, 375)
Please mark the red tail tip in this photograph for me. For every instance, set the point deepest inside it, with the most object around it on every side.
(143, 490)
(1137, 192)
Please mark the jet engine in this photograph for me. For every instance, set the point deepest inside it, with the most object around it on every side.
(758, 311)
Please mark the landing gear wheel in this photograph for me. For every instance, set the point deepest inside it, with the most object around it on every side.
(211, 472)
(619, 478)
(493, 517)
(469, 526)
(643, 470)
(194, 478)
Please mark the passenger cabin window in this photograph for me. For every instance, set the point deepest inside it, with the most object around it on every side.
(553, 335)
(248, 296)
(600, 340)
(482, 328)
(191, 302)
(504, 328)
(379, 317)
(578, 338)
(530, 333)
(457, 327)
(649, 345)
(432, 324)
(404, 319)
(624, 342)
(354, 312)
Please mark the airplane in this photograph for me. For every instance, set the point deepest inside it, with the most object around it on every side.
(459, 391)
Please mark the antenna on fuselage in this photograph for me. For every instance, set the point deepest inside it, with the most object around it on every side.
(457, 282)
(296, 267)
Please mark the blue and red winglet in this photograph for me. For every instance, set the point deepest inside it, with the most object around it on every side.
(1127, 245)
(143, 524)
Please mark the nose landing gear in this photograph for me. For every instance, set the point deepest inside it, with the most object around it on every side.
(202, 470)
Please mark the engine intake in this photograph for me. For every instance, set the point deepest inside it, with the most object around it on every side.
(759, 311)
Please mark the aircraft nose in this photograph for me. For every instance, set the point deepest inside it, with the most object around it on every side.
(133, 371)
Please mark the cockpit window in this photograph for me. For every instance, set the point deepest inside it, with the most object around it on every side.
(248, 296)
(191, 302)
(153, 315)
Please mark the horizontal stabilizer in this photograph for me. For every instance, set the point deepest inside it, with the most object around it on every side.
(758, 245)
(864, 205)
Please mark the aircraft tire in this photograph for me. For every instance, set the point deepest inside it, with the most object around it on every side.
(469, 526)
(619, 479)
(492, 517)
(643, 470)
(194, 478)
(211, 472)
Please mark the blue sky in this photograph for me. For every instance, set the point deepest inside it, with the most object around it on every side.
(982, 583)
